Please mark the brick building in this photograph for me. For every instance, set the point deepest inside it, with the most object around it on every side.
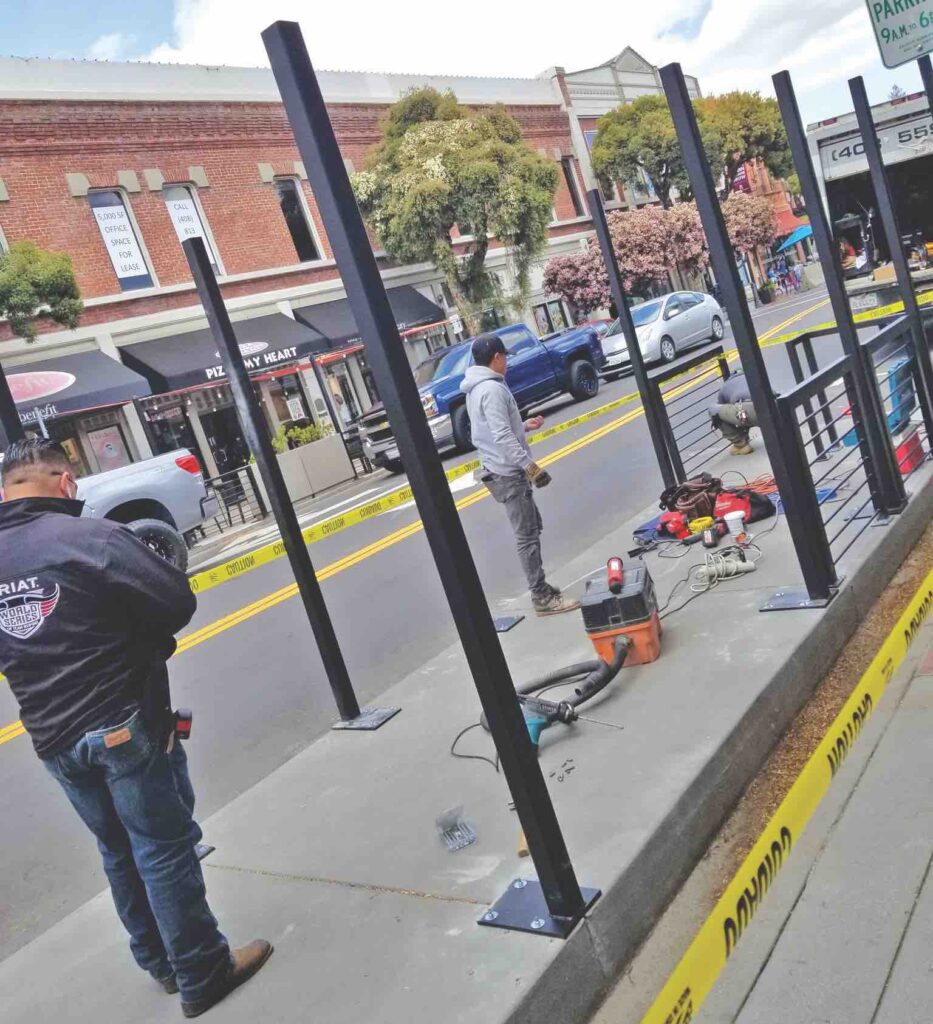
(114, 163)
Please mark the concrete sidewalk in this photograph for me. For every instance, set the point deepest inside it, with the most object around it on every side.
(857, 946)
(335, 857)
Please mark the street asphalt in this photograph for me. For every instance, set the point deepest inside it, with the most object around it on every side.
(258, 688)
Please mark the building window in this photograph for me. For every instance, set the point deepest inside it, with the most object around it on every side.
(297, 219)
(188, 218)
(550, 317)
(121, 239)
(4, 247)
(566, 163)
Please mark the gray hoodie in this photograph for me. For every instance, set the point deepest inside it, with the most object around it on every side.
(497, 427)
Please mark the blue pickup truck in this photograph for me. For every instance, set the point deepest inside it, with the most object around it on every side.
(539, 369)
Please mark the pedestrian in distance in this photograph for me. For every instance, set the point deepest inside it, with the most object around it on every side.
(509, 471)
(733, 415)
(88, 617)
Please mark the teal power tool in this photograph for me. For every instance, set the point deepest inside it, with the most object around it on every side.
(541, 714)
(593, 676)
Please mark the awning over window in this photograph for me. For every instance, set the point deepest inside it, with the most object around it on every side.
(189, 360)
(795, 236)
(69, 384)
(335, 320)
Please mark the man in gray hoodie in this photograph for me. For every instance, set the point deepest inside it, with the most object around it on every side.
(508, 468)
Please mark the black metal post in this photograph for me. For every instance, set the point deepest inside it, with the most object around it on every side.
(814, 556)
(649, 399)
(926, 74)
(11, 428)
(892, 233)
(887, 483)
(563, 903)
(257, 437)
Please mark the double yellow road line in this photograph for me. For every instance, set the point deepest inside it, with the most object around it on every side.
(241, 615)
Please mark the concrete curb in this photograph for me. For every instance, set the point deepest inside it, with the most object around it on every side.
(594, 956)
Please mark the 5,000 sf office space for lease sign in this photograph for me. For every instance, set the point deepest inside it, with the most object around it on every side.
(903, 28)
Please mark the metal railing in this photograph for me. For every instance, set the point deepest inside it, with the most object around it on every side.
(907, 413)
(682, 393)
(825, 430)
(236, 499)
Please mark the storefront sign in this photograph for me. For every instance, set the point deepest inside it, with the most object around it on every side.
(903, 28)
(903, 140)
(116, 229)
(38, 384)
(257, 362)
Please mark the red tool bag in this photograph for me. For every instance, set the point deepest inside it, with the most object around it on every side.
(755, 506)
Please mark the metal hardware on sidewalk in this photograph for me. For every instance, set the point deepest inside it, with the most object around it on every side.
(892, 233)
(787, 462)
(257, 437)
(887, 486)
(11, 428)
(385, 354)
(653, 415)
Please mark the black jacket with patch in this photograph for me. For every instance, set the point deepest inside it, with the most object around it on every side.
(88, 615)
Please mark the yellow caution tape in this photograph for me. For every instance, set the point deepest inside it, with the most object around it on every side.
(235, 567)
(872, 314)
(693, 978)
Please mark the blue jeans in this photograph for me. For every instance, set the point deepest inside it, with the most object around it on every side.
(137, 800)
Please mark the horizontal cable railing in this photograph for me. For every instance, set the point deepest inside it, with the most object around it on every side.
(684, 392)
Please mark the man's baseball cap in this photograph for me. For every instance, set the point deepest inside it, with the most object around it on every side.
(485, 347)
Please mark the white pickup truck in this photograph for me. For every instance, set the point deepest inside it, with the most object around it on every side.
(160, 500)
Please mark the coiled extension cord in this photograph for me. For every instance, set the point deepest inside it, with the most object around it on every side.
(721, 565)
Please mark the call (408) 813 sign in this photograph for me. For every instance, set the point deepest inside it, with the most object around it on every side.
(903, 28)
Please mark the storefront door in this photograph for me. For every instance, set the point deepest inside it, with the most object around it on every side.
(228, 445)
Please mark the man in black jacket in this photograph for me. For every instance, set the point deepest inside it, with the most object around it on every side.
(88, 616)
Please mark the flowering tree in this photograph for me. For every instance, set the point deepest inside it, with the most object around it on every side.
(441, 166)
(750, 222)
(648, 243)
(580, 279)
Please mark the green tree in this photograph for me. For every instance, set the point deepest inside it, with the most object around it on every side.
(750, 128)
(793, 184)
(640, 137)
(33, 280)
(440, 165)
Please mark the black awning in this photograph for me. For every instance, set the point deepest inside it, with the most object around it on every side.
(68, 384)
(335, 319)
(188, 360)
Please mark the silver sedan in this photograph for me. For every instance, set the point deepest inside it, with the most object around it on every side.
(665, 327)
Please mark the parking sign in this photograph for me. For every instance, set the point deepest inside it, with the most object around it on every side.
(903, 28)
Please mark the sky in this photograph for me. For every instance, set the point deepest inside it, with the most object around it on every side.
(727, 44)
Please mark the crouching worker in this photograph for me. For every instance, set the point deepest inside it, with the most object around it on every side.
(88, 616)
(734, 415)
(508, 468)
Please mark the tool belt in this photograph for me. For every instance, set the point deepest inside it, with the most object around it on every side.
(695, 497)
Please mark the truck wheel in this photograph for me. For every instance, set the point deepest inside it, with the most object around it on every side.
(163, 539)
(463, 432)
(394, 466)
(584, 381)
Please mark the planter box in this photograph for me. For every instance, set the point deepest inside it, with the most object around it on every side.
(311, 469)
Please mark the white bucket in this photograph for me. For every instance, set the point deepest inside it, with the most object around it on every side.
(735, 523)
